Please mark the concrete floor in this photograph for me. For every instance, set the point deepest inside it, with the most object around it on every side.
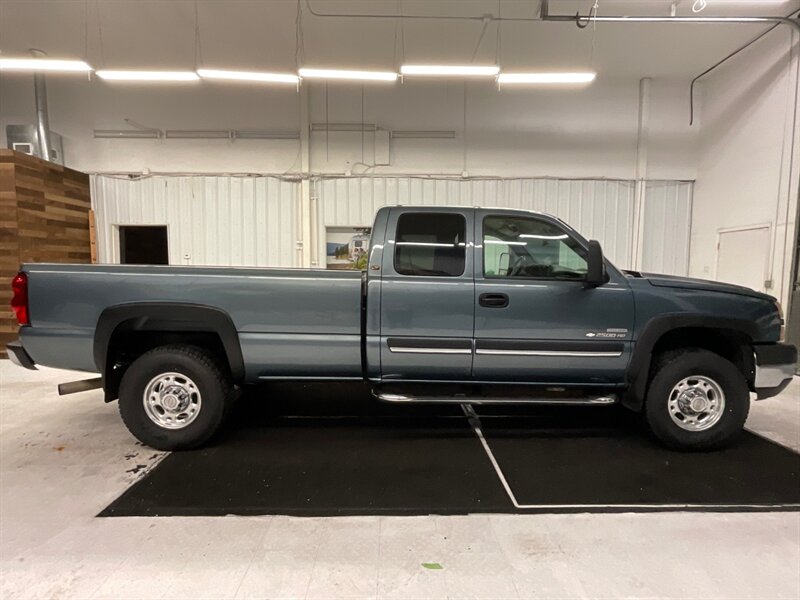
(64, 459)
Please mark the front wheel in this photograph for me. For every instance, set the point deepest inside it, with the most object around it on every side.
(174, 397)
(696, 400)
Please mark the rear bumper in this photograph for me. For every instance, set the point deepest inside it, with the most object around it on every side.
(19, 357)
(775, 367)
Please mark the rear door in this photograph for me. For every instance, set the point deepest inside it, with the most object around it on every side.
(535, 321)
(427, 295)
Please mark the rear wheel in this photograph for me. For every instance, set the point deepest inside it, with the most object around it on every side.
(174, 397)
(696, 400)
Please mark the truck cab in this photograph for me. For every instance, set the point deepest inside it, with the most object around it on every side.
(493, 296)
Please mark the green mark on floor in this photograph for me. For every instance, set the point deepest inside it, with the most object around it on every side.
(433, 566)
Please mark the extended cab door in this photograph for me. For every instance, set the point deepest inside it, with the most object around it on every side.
(535, 320)
(427, 295)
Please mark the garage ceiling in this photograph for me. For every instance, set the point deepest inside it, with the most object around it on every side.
(243, 34)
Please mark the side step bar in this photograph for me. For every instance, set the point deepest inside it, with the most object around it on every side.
(463, 399)
(73, 387)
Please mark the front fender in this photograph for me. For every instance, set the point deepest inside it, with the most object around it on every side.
(655, 329)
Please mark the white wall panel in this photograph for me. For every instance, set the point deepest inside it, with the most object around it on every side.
(749, 157)
(599, 209)
(243, 221)
(667, 227)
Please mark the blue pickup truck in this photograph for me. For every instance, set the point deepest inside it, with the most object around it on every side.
(464, 305)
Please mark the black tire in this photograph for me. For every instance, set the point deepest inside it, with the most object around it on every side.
(213, 385)
(671, 369)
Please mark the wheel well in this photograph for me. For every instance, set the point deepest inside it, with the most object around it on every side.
(732, 345)
(127, 344)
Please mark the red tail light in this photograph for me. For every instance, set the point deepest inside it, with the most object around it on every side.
(19, 302)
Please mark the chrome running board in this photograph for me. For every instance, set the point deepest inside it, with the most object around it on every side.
(463, 399)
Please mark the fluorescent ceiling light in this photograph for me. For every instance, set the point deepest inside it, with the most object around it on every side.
(248, 76)
(148, 75)
(43, 64)
(543, 237)
(431, 244)
(520, 78)
(450, 70)
(352, 75)
(504, 243)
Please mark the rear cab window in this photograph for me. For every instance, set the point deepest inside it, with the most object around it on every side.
(430, 244)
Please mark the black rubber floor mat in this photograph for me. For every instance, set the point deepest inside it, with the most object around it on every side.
(297, 452)
(549, 465)
(332, 450)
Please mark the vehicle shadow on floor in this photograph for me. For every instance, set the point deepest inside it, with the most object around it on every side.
(332, 402)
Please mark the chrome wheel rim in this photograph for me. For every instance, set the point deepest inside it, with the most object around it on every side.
(172, 400)
(696, 403)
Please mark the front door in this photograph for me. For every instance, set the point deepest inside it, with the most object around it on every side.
(427, 295)
(535, 320)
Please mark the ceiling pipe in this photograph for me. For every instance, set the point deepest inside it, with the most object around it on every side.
(544, 15)
(42, 116)
(582, 22)
(724, 60)
(481, 18)
(316, 13)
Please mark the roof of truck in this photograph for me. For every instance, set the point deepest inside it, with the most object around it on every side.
(461, 207)
(492, 208)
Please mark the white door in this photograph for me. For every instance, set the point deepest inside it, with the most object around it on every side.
(743, 257)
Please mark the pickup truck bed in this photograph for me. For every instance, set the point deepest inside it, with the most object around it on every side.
(289, 322)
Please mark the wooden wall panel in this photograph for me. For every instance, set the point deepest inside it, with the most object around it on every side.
(44, 217)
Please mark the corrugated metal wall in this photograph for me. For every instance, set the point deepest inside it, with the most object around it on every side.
(667, 227)
(253, 220)
(244, 221)
(599, 209)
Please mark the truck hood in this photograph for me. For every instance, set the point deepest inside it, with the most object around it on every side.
(689, 283)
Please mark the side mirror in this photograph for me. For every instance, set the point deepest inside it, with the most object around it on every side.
(595, 266)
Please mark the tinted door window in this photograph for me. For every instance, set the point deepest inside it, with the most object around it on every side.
(430, 244)
(530, 248)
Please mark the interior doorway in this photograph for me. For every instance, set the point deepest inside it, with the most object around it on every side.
(143, 245)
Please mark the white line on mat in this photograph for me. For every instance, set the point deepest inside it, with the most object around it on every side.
(475, 423)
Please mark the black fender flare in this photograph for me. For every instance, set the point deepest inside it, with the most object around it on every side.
(641, 359)
(169, 316)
